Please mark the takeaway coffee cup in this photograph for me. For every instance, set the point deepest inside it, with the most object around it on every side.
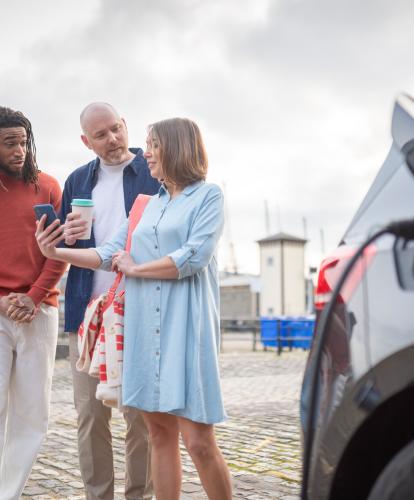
(85, 209)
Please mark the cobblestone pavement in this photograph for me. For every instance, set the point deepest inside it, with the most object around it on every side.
(260, 440)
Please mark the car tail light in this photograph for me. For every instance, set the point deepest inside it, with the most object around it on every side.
(332, 267)
(323, 290)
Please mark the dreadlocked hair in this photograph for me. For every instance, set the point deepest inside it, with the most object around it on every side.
(10, 118)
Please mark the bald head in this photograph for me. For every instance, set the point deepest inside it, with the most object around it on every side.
(105, 133)
(94, 111)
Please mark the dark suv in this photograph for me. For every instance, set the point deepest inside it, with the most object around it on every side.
(357, 402)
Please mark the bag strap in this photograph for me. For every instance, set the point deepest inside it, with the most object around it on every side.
(135, 215)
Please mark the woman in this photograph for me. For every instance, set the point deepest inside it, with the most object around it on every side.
(171, 330)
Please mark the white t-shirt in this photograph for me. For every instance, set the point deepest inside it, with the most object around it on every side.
(109, 214)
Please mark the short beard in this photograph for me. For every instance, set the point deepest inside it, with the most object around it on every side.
(11, 173)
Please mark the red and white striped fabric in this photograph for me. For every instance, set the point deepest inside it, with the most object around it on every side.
(111, 349)
(88, 334)
(101, 334)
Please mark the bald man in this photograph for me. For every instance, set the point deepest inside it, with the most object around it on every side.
(112, 180)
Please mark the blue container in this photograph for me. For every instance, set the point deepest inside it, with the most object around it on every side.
(285, 331)
(271, 328)
(302, 332)
(268, 331)
(294, 331)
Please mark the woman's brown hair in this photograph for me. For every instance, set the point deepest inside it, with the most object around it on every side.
(182, 152)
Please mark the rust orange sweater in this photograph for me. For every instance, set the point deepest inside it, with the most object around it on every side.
(22, 266)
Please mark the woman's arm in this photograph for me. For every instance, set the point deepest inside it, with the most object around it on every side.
(48, 238)
(193, 256)
(204, 234)
(80, 257)
(161, 269)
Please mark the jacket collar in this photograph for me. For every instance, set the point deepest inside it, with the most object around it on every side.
(134, 166)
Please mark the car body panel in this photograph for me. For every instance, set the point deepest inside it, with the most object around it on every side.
(372, 326)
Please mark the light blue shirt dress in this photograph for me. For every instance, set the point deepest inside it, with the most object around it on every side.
(172, 327)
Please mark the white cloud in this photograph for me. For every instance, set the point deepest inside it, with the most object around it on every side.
(294, 97)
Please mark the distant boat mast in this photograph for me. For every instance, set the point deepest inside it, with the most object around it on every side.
(231, 266)
(267, 218)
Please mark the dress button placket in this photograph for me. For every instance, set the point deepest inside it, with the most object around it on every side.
(157, 336)
(157, 349)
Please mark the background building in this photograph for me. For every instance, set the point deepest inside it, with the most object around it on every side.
(282, 272)
(239, 296)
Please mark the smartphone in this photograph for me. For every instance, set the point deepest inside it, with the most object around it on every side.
(48, 210)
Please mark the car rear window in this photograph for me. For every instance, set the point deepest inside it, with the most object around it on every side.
(391, 197)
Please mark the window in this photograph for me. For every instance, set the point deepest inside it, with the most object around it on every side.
(389, 198)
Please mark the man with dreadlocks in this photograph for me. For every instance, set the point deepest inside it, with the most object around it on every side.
(28, 305)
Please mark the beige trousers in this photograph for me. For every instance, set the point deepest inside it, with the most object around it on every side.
(95, 441)
(27, 357)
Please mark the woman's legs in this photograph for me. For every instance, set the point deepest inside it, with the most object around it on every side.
(200, 441)
(165, 454)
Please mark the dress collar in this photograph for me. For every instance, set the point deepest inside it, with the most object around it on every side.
(186, 191)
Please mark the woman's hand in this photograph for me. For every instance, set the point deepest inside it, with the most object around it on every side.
(48, 238)
(122, 262)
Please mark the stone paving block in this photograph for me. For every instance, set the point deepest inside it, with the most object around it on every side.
(33, 491)
(191, 488)
(260, 440)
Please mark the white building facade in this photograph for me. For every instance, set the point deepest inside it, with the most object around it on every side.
(282, 273)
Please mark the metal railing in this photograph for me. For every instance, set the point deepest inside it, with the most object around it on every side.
(243, 326)
(280, 334)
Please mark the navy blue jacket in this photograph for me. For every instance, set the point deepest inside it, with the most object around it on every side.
(79, 184)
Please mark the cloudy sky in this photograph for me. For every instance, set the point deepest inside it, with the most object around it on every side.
(294, 97)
